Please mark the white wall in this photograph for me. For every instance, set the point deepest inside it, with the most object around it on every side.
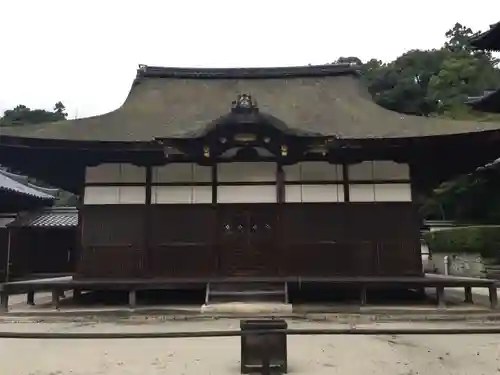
(371, 172)
(300, 183)
(184, 175)
(242, 172)
(119, 174)
(310, 172)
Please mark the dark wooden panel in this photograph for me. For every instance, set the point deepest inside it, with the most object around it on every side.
(41, 251)
(189, 223)
(112, 225)
(111, 262)
(313, 222)
(350, 239)
(399, 258)
(3, 252)
(182, 260)
(182, 241)
(331, 259)
(112, 241)
(247, 238)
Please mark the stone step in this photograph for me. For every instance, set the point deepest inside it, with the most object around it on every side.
(246, 292)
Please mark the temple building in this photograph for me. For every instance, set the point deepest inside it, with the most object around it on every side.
(487, 41)
(284, 174)
(17, 196)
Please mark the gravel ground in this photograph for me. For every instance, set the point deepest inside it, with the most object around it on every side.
(346, 355)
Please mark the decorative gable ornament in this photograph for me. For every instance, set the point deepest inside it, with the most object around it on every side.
(244, 104)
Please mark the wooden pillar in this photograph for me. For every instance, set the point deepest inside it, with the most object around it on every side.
(132, 298)
(280, 184)
(362, 296)
(56, 295)
(4, 301)
(148, 256)
(214, 183)
(77, 251)
(493, 296)
(7, 261)
(30, 298)
(440, 297)
(468, 295)
(345, 182)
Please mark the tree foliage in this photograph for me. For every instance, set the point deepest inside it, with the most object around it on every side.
(22, 115)
(438, 82)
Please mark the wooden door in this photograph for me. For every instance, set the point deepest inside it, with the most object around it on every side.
(247, 242)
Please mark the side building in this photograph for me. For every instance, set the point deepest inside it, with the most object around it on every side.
(17, 195)
(487, 41)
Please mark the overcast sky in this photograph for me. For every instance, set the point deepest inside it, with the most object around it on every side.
(85, 52)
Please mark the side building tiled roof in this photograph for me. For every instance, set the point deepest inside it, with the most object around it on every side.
(54, 217)
(489, 40)
(489, 102)
(18, 184)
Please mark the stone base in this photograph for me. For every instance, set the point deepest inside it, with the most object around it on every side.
(247, 308)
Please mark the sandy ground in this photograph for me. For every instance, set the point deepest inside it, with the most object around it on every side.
(346, 355)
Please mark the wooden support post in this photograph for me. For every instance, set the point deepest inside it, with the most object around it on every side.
(56, 294)
(468, 295)
(4, 301)
(30, 298)
(362, 296)
(493, 297)
(132, 298)
(440, 297)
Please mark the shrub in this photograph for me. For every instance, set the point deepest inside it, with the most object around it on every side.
(484, 240)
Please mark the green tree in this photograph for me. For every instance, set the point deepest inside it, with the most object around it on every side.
(22, 115)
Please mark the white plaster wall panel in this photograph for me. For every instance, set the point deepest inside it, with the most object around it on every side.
(322, 193)
(320, 171)
(361, 171)
(171, 194)
(175, 172)
(292, 172)
(131, 195)
(202, 194)
(247, 194)
(362, 193)
(202, 173)
(101, 195)
(103, 173)
(393, 192)
(390, 170)
(293, 193)
(130, 173)
(246, 172)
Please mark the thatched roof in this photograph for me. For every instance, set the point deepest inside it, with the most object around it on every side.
(327, 100)
(489, 40)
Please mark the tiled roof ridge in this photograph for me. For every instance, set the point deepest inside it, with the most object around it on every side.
(145, 71)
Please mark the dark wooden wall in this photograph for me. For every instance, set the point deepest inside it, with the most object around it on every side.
(4, 243)
(41, 251)
(201, 241)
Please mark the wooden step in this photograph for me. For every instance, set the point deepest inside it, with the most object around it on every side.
(218, 292)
